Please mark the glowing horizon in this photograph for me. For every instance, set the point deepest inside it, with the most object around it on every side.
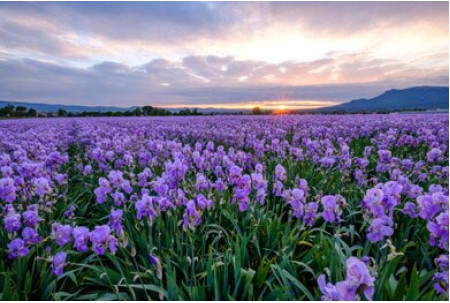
(264, 105)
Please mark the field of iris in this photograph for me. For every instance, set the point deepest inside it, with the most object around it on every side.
(351, 207)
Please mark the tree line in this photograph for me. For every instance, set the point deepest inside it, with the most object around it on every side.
(22, 111)
(19, 111)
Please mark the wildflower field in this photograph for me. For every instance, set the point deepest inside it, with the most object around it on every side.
(351, 207)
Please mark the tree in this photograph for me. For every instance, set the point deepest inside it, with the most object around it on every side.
(257, 111)
(138, 111)
(62, 112)
(148, 110)
(9, 110)
(32, 112)
(21, 111)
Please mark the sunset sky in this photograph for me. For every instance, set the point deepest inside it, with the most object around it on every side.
(219, 54)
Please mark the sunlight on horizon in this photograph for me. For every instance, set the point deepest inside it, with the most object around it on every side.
(264, 105)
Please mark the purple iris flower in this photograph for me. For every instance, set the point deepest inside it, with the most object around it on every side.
(30, 236)
(17, 248)
(202, 183)
(234, 174)
(118, 197)
(410, 210)
(12, 223)
(70, 212)
(116, 178)
(102, 191)
(358, 281)
(81, 236)
(30, 218)
(126, 186)
(101, 239)
(427, 208)
(439, 229)
(61, 233)
(203, 202)
(380, 228)
(42, 186)
(330, 208)
(280, 173)
(157, 264)
(328, 290)
(115, 220)
(310, 213)
(191, 217)
(7, 190)
(145, 207)
(59, 262)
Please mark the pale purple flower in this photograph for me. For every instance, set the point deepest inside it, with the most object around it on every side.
(17, 248)
(191, 216)
(310, 213)
(12, 223)
(280, 173)
(61, 233)
(439, 229)
(219, 185)
(101, 239)
(380, 228)
(59, 262)
(329, 213)
(115, 220)
(328, 290)
(202, 183)
(126, 186)
(102, 191)
(385, 155)
(116, 178)
(80, 238)
(427, 208)
(234, 175)
(7, 190)
(30, 236)
(358, 274)
(42, 186)
(146, 207)
(30, 218)
(410, 210)
(278, 188)
(203, 202)
(118, 197)
(358, 281)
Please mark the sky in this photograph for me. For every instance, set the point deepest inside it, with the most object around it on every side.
(219, 54)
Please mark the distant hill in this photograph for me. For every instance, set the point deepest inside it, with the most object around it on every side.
(419, 97)
(42, 107)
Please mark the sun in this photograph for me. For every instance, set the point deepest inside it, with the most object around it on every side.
(282, 107)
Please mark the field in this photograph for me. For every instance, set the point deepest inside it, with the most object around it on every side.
(225, 208)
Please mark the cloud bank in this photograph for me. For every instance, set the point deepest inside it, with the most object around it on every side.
(218, 53)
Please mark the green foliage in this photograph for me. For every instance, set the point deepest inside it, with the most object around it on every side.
(263, 254)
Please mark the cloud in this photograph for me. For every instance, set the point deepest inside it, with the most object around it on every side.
(207, 80)
(134, 32)
(167, 53)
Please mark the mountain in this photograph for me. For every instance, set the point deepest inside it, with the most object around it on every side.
(418, 97)
(42, 107)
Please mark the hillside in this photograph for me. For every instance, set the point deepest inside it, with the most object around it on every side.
(419, 97)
